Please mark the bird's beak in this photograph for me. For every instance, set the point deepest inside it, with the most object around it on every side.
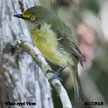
(19, 16)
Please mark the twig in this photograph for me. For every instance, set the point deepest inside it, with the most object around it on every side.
(44, 66)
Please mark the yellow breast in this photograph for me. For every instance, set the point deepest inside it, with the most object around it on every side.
(44, 38)
(46, 41)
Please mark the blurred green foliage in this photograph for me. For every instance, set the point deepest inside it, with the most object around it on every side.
(91, 5)
(99, 71)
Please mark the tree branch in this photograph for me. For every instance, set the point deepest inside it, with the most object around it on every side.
(39, 59)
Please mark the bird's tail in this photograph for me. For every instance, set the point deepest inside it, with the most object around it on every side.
(76, 85)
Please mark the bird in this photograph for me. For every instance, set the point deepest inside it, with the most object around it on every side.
(56, 42)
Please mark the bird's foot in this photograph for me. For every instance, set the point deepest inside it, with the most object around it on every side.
(56, 74)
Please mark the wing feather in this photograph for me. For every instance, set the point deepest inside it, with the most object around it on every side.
(71, 47)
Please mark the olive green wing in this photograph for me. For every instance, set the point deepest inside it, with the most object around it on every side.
(66, 38)
(70, 47)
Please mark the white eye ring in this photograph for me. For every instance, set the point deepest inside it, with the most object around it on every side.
(32, 18)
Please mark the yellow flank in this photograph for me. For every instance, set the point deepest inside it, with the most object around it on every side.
(45, 40)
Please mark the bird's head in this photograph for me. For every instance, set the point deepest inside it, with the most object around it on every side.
(36, 15)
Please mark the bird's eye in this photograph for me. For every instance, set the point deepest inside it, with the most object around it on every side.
(32, 18)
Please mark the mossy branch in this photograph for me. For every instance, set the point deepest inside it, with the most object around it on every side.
(39, 59)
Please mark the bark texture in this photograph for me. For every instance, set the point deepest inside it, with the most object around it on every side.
(21, 80)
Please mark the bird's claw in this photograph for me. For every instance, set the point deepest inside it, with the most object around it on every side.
(54, 77)
(56, 74)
